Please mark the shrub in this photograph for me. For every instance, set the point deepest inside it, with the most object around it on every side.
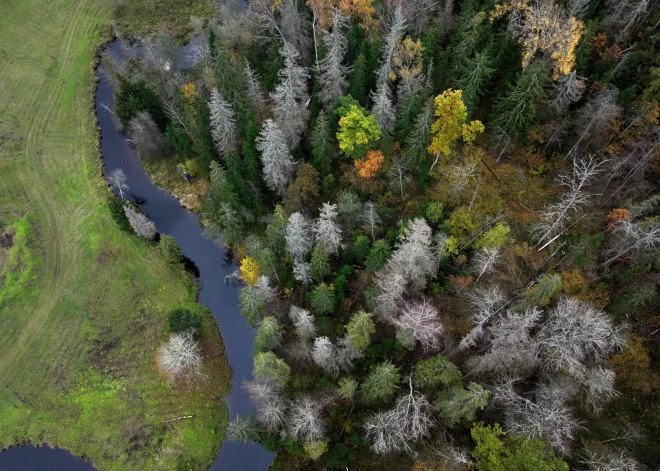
(182, 320)
(170, 248)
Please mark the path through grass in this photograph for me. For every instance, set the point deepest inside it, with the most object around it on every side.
(82, 304)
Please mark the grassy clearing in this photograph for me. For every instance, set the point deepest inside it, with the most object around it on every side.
(137, 17)
(82, 304)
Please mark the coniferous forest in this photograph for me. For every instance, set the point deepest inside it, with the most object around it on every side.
(445, 217)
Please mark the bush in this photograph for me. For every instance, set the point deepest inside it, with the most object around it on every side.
(182, 319)
(116, 207)
(170, 249)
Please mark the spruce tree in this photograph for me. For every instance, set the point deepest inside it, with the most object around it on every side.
(474, 75)
(323, 145)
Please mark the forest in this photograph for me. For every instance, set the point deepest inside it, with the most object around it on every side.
(445, 217)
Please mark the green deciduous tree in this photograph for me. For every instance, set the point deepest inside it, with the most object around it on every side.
(267, 365)
(358, 132)
(269, 335)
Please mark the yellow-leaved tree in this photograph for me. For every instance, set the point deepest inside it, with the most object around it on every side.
(451, 124)
(250, 271)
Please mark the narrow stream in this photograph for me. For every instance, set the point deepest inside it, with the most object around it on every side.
(172, 219)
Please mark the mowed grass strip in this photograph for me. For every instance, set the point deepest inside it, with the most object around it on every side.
(83, 305)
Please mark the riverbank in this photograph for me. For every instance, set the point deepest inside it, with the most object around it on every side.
(83, 305)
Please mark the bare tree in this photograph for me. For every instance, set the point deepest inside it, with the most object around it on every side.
(303, 272)
(598, 384)
(486, 303)
(485, 261)
(512, 350)
(255, 92)
(393, 430)
(596, 120)
(299, 236)
(140, 223)
(278, 164)
(243, 429)
(145, 135)
(392, 285)
(547, 417)
(383, 109)
(223, 123)
(350, 210)
(305, 421)
(371, 218)
(332, 71)
(609, 460)
(294, 28)
(398, 26)
(414, 257)
(555, 218)
(577, 8)
(304, 322)
(634, 238)
(626, 14)
(180, 357)
(327, 230)
(290, 97)
(567, 90)
(575, 334)
(421, 320)
(270, 406)
(117, 178)
(325, 355)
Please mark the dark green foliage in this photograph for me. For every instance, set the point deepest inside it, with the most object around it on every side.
(133, 97)
(408, 111)
(473, 77)
(116, 207)
(182, 320)
(434, 371)
(339, 456)
(357, 252)
(378, 256)
(170, 248)
(320, 263)
(323, 145)
(179, 140)
(322, 299)
(358, 81)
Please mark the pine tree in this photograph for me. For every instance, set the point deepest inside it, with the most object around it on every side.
(517, 110)
(290, 97)
(278, 164)
(223, 125)
(323, 145)
(320, 263)
(322, 299)
(475, 74)
(332, 72)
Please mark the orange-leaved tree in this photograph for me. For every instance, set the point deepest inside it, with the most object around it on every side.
(250, 271)
(368, 168)
(451, 124)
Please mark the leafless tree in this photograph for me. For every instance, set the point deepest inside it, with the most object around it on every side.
(392, 285)
(117, 178)
(486, 303)
(598, 384)
(140, 223)
(327, 230)
(290, 97)
(555, 218)
(223, 122)
(547, 417)
(180, 357)
(304, 322)
(421, 320)
(512, 350)
(270, 406)
(295, 28)
(414, 256)
(371, 218)
(332, 71)
(577, 8)
(575, 334)
(608, 460)
(145, 135)
(393, 430)
(325, 355)
(303, 272)
(383, 109)
(398, 177)
(299, 236)
(626, 14)
(278, 164)
(567, 90)
(305, 421)
(595, 121)
(395, 31)
(485, 261)
(255, 92)
(634, 237)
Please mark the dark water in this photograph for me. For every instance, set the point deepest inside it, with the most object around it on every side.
(31, 458)
(172, 219)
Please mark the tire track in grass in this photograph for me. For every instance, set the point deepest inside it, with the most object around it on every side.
(54, 281)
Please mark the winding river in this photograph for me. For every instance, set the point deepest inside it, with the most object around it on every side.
(172, 219)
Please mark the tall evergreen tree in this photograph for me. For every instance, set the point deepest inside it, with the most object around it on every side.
(474, 75)
(323, 145)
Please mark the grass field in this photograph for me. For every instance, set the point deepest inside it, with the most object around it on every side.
(82, 304)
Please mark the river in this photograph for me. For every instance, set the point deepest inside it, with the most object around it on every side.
(172, 219)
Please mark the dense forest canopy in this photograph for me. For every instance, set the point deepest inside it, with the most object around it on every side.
(447, 221)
